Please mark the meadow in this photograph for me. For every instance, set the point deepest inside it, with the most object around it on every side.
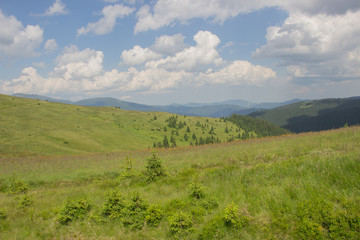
(36, 128)
(303, 186)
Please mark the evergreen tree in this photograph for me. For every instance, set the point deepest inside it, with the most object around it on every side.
(194, 136)
(186, 137)
(188, 129)
(165, 142)
(173, 141)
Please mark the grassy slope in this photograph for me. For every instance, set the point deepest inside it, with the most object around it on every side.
(292, 187)
(44, 128)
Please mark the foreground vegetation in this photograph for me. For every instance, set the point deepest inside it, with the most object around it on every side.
(290, 187)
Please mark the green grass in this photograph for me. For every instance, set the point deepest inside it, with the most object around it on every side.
(289, 187)
(33, 127)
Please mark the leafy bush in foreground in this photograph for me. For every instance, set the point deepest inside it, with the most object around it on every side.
(17, 186)
(153, 215)
(114, 205)
(232, 217)
(181, 223)
(73, 210)
(154, 168)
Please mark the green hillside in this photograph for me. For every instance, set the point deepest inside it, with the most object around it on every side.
(302, 186)
(34, 127)
(314, 115)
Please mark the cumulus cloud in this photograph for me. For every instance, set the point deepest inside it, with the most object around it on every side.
(82, 70)
(239, 73)
(50, 45)
(75, 64)
(168, 12)
(58, 8)
(17, 40)
(138, 55)
(107, 23)
(193, 58)
(169, 45)
(316, 45)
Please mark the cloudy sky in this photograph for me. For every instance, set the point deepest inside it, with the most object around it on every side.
(172, 51)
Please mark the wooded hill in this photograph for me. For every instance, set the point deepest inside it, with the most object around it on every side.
(36, 127)
(314, 115)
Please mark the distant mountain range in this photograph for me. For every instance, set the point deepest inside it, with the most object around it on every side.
(216, 109)
(317, 115)
(295, 115)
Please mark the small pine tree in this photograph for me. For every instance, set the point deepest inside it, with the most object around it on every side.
(154, 168)
(194, 136)
(186, 137)
(188, 129)
(173, 141)
(165, 142)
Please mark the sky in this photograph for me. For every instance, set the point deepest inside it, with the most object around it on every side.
(180, 51)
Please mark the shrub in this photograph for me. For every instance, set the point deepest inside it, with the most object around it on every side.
(232, 217)
(73, 210)
(17, 186)
(196, 190)
(181, 223)
(114, 205)
(154, 168)
(3, 214)
(25, 202)
(128, 170)
(135, 212)
(154, 215)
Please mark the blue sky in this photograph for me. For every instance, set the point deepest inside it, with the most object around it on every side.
(169, 51)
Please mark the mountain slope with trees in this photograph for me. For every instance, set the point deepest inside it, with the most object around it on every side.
(314, 115)
(39, 127)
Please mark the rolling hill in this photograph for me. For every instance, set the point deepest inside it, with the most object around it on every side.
(215, 109)
(314, 115)
(35, 127)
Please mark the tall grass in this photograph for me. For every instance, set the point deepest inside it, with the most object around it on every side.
(302, 186)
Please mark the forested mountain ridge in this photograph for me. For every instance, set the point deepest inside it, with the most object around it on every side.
(314, 115)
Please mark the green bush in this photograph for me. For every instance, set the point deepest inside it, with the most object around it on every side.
(233, 218)
(3, 214)
(181, 223)
(154, 168)
(319, 219)
(196, 190)
(135, 212)
(73, 210)
(128, 170)
(114, 205)
(17, 186)
(25, 202)
(154, 215)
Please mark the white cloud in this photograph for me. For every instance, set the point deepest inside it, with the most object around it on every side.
(316, 45)
(138, 55)
(193, 58)
(39, 64)
(239, 73)
(81, 71)
(107, 23)
(50, 45)
(169, 45)
(75, 64)
(30, 81)
(168, 12)
(58, 8)
(17, 40)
